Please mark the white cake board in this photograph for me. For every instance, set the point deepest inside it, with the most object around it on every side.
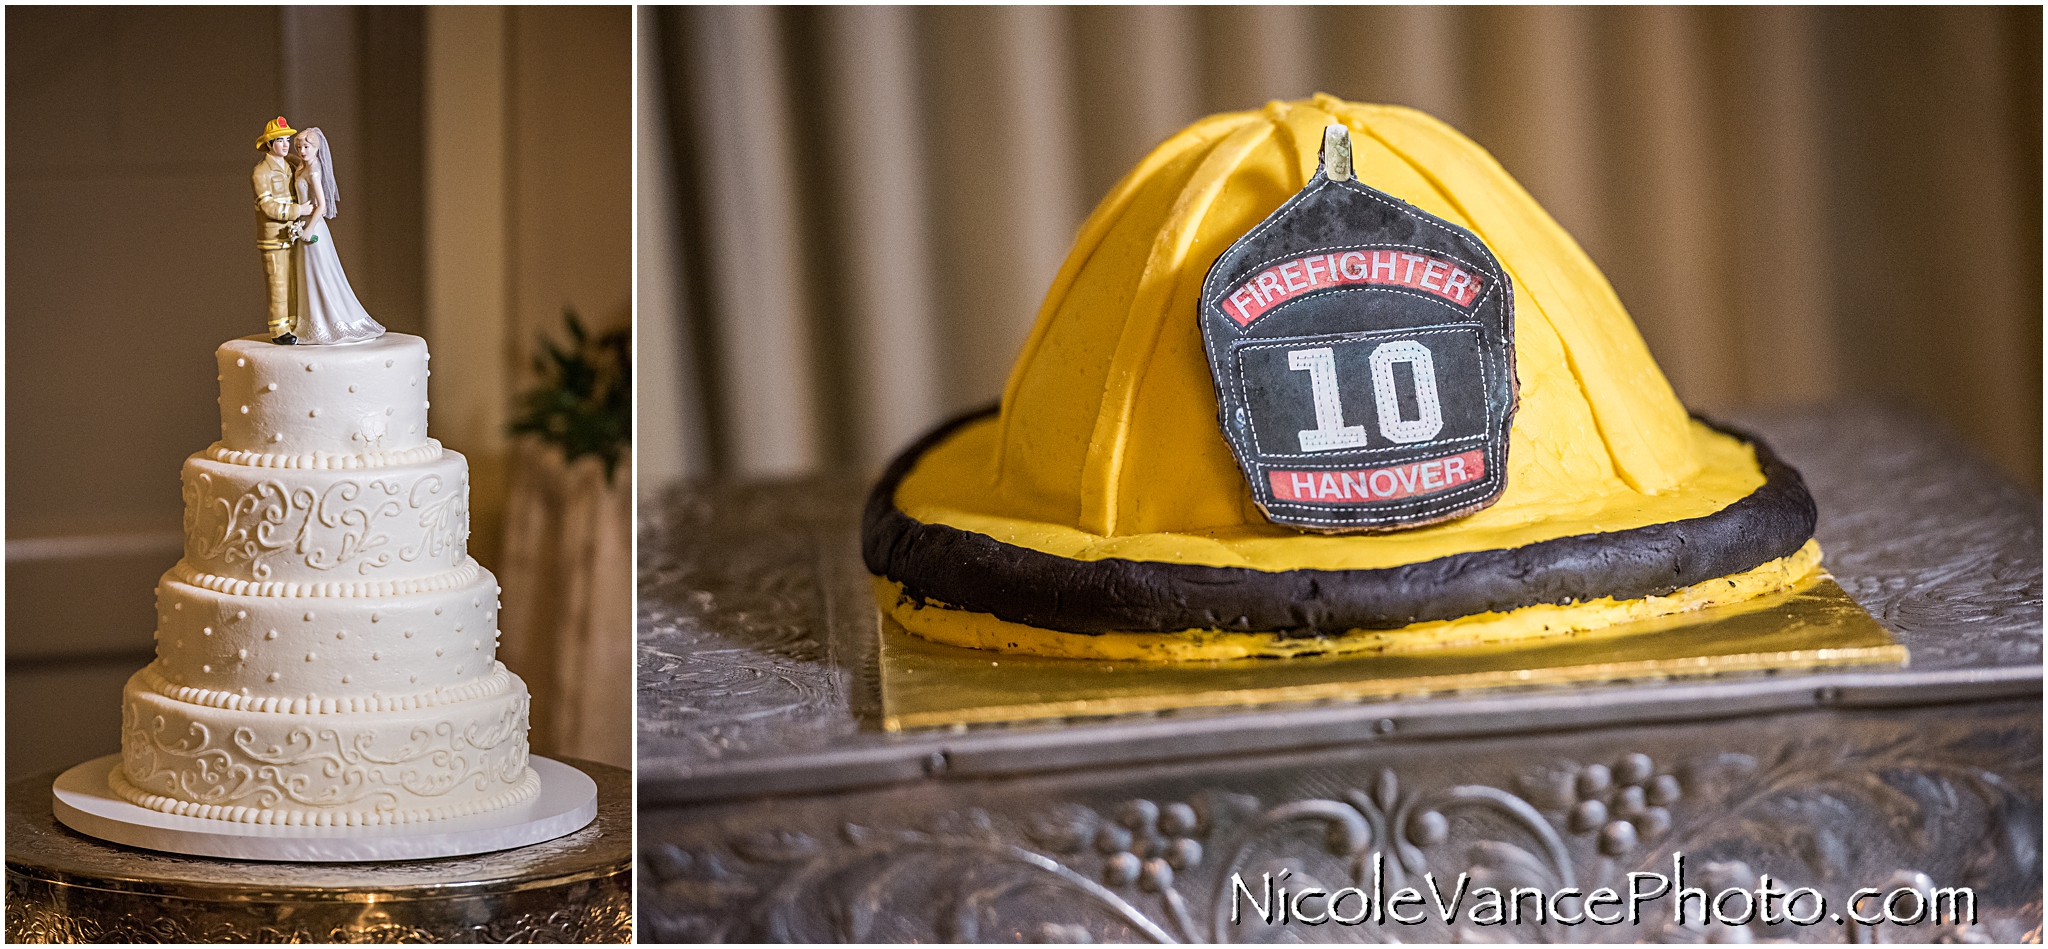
(84, 802)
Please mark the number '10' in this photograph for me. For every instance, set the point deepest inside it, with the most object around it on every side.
(1331, 434)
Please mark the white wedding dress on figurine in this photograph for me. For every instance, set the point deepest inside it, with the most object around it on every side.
(325, 308)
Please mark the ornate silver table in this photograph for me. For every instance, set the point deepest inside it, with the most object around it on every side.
(775, 806)
(63, 886)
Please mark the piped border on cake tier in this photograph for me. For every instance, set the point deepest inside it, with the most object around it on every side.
(430, 451)
(970, 571)
(495, 683)
(526, 790)
(444, 580)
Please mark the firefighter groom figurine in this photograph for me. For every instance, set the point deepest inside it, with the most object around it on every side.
(277, 223)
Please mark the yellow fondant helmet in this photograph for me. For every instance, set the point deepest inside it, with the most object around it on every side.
(276, 129)
(1107, 447)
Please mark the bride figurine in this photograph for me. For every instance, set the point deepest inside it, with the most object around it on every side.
(324, 308)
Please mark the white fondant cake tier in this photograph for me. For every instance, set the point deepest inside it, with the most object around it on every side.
(348, 399)
(326, 525)
(362, 768)
(403, 646)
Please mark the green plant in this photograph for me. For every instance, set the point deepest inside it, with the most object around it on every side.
(585, 401)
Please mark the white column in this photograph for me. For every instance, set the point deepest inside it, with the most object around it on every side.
(467, 305)
(1424, 67)
(755, 253)
(668, 441)
(1784, 311)
(1542, 103)
(1271, 55)
(879, 182)
(1681, 304)
(320, 89)
(1152, 76)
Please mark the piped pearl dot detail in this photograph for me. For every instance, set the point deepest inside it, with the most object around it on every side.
(207, 631)
(415, 678)
(245, 410)
(241, 654)
(408, 634)
(374, 657)
(412, 430)
(437, 652)
(206, 668)
(344, 680)
(437, 611)
(277, 437)
(458, 627)
(312, 413)
(351, 388)
(270, 635)
(177, 606)
(387, 363)
(310, 657)
(272, 677)
(241, 614)
(309, 367)
(375, 616)
(309, 616)
(426, 404)
(241, 362)
(270, 388)
(343, 634)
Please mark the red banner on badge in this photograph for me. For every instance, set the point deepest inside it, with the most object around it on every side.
(1399, 267)
(1378, 484)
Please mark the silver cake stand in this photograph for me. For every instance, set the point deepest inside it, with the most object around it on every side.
(64, 886)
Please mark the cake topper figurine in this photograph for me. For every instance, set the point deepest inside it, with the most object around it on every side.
(277, 223)
(310, 297)
(324, 307)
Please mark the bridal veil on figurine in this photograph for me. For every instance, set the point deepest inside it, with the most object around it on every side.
(310, 298)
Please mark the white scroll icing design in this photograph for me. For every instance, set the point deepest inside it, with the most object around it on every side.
(347, 524)
(388, 772)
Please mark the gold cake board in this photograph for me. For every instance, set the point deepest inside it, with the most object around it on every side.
(927, 684)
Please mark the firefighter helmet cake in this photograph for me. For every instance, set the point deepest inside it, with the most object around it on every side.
(1322, 378)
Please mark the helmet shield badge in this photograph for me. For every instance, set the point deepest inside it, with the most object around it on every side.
(1364, 358)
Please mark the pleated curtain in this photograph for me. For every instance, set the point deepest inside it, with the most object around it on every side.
(849, 215)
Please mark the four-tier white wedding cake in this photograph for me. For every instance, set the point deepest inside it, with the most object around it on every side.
(326, 648)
